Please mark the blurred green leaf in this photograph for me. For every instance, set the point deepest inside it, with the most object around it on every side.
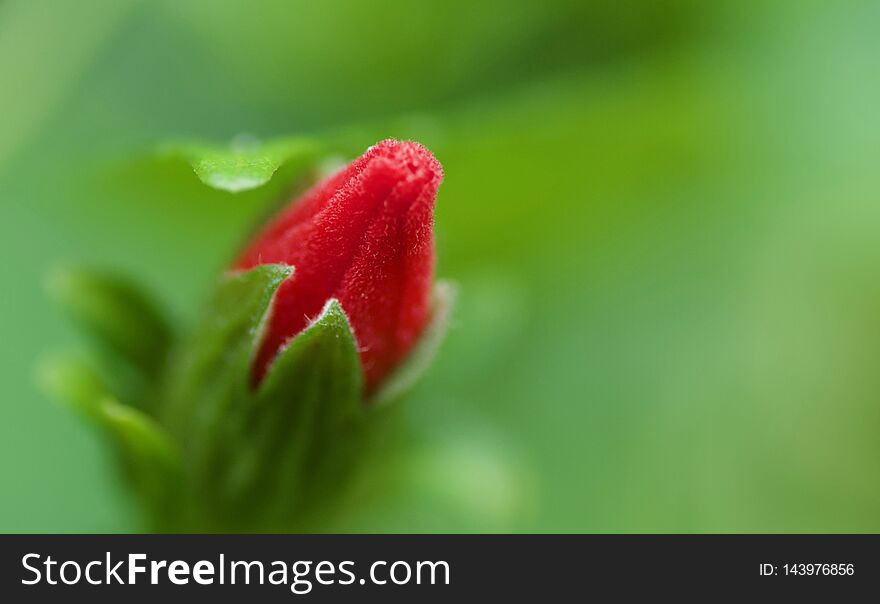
(73, 382)
(117, 312)
(150, 460)
(244, 164)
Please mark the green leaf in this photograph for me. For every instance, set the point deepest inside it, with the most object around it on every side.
(150, 460)
(73, 382)
(245, 163)
(419, 359)
(117, 313)
(274, 457)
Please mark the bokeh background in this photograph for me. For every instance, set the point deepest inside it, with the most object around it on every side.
(664, 219)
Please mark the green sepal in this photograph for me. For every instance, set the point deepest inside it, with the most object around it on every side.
(299, 436)
(211, 369)
(223, 455)
(256, 458)
(207, 384)
(117, 313)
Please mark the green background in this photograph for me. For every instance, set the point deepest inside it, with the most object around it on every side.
(664, 219)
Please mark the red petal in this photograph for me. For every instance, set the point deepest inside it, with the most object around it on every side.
(365, 237)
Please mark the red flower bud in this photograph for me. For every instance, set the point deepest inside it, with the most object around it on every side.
(365, 237)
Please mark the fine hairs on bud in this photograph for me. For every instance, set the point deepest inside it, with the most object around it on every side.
(363, 236)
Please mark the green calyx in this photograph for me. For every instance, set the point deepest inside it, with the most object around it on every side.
(202, 449)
